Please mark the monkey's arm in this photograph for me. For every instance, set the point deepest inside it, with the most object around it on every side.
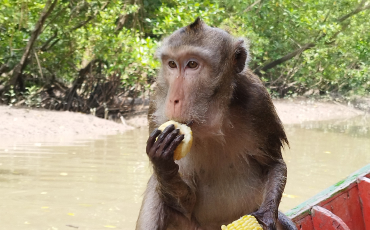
(171, 188)
(175, 192)
(267, 214)
(156, 215)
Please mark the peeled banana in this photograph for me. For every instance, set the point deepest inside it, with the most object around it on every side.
(184, 147)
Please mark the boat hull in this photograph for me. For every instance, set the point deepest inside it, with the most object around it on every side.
(345, 205)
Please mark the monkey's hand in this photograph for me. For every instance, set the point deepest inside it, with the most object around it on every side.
(171, 187)
(160, 149)
(266, 218)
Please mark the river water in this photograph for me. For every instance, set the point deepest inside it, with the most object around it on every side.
(98, 184)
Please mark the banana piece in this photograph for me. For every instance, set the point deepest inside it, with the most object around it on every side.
(185, 145)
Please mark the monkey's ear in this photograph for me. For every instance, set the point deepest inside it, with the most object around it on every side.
(196, 25)
(240, 55)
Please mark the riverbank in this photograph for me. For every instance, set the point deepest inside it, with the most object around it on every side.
(19, 124)
(299, 111)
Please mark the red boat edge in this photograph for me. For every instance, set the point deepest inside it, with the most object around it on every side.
(345, 205)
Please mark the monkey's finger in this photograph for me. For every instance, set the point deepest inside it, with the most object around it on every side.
(151, 139)
(168, 153)
(167, 141)
(165, 132)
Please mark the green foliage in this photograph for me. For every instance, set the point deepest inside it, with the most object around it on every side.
(170, 17)
(12, 95)
(338, 63)
(33, 99)
(123, 37)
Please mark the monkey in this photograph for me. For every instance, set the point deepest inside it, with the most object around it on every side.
(235, 166)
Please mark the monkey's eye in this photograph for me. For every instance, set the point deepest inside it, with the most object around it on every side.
(172, 64)
(192, 64)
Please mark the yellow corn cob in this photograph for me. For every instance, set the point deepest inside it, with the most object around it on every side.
(247, 222)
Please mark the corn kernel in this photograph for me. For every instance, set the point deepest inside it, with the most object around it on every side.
(247, 222)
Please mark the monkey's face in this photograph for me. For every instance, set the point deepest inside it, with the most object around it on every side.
(186, 80)
(199, 66)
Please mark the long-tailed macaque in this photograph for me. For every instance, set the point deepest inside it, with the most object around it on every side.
(235, 165)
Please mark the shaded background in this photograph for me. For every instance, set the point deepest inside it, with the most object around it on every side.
(97, 56)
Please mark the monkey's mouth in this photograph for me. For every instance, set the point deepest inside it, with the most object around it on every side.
(188, 123)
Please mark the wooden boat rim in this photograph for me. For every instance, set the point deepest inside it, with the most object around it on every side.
(327, 194)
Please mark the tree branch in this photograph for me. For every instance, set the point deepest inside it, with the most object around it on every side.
(285, 58)
(45, 45)
(89, 18)
(18, 69)
(332, 39)
(120, 23)
(38, 63)
(52, 44)
(53, 18)
(360, 7)
(249, 8)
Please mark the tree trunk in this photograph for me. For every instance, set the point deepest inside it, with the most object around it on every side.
(77, 83)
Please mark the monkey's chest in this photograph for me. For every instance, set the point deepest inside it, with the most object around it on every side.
(225, 194)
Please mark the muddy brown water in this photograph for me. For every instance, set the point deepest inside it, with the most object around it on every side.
(98, 184)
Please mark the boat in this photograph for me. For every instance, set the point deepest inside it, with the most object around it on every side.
(343, 206)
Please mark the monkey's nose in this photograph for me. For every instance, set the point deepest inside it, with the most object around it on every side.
(177, 101)
(175, 110)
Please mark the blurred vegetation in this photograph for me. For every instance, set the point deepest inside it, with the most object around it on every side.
(84, 54)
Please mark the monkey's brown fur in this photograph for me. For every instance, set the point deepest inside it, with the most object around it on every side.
(235, 166)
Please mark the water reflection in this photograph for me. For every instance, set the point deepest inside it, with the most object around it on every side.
(321, 154)
(91, 185)
(98, 184)
(355, 127)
